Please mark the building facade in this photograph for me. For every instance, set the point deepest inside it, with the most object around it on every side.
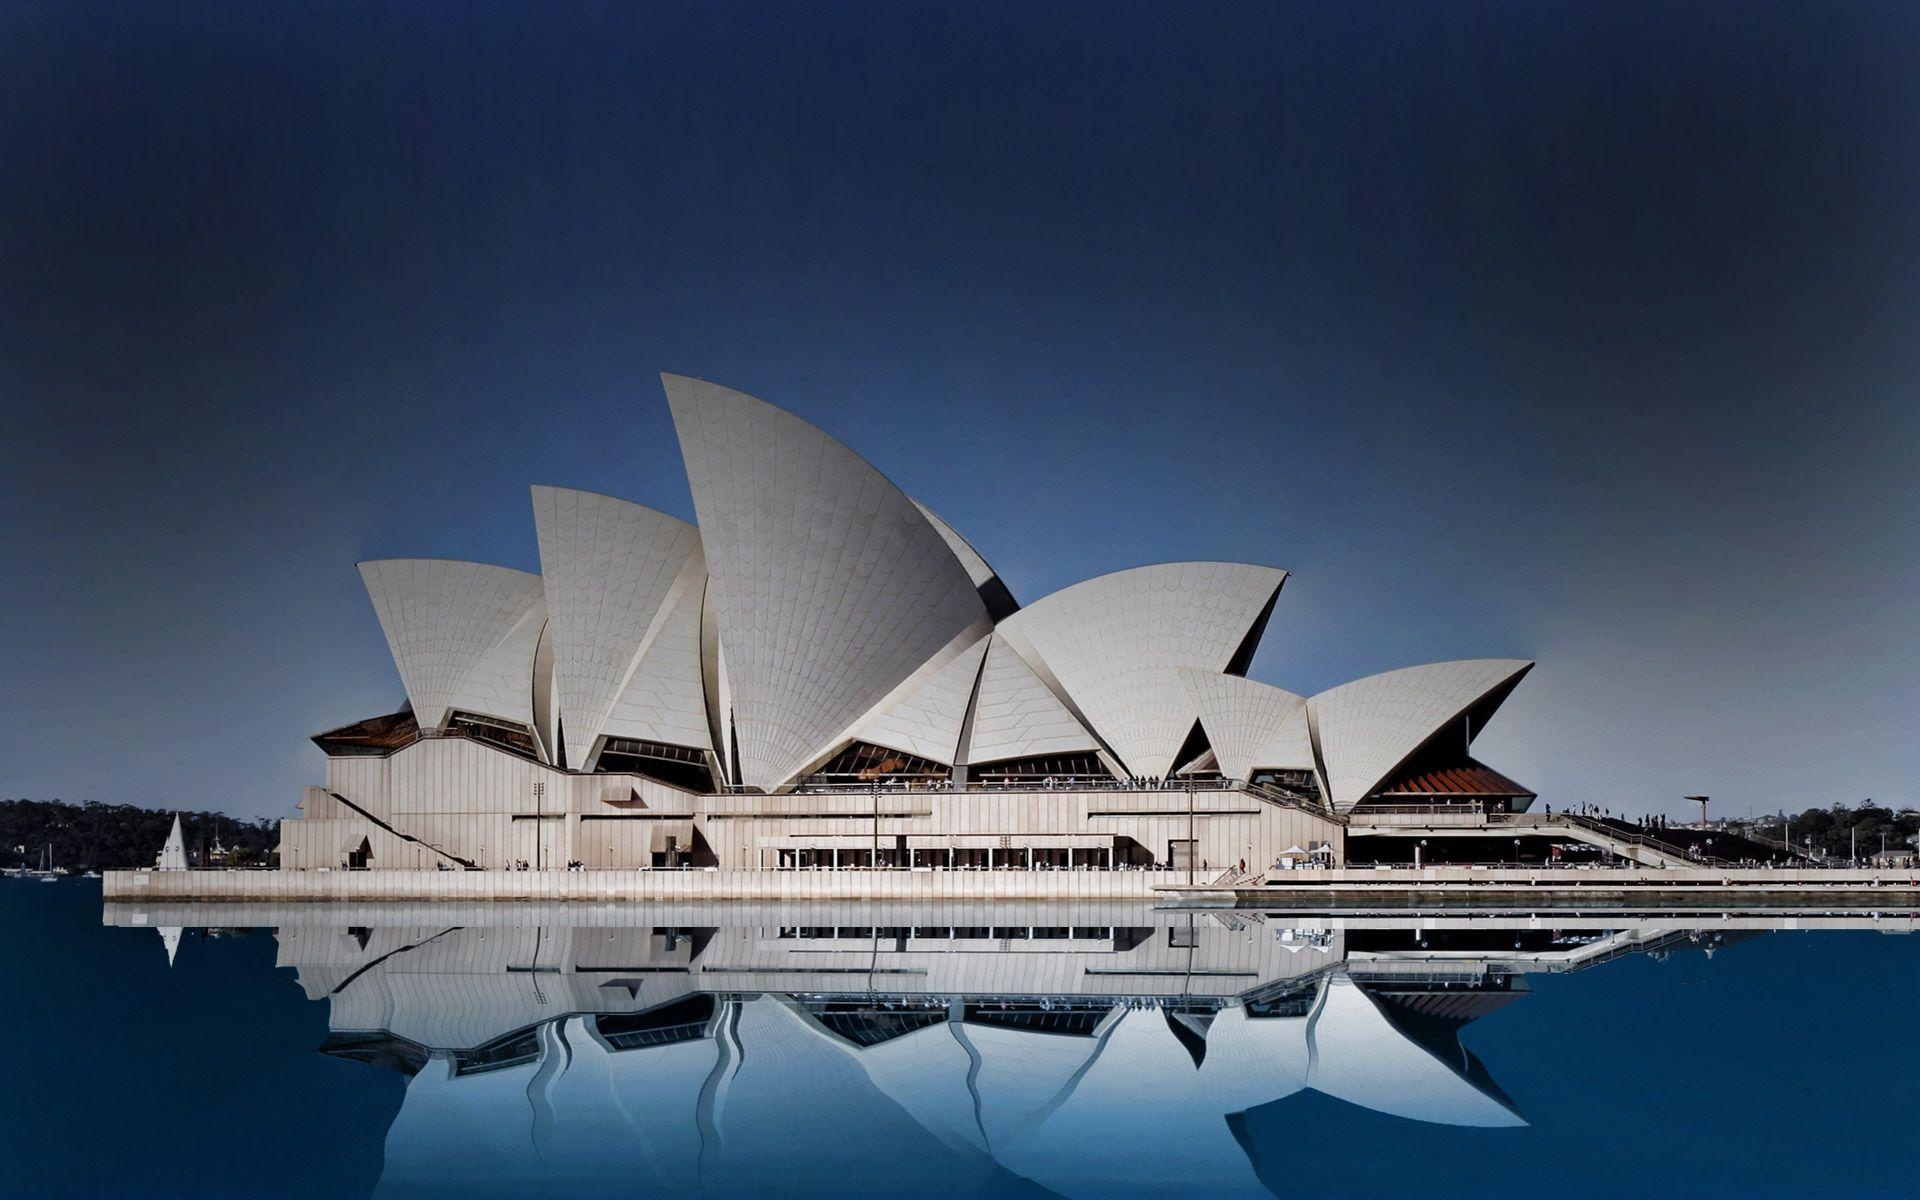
(823, 674)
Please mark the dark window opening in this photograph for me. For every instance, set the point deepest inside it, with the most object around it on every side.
(863, 762)
(865, 1024)
(371, 738)
(378, 1049)
(512, 1050)
(1066, 1017)
(999, 601)
(1084, 765)
(1298, 783)
(678, 766)
(681, 1021)
(505, 735)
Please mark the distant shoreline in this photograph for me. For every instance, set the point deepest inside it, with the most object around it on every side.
(103, 837)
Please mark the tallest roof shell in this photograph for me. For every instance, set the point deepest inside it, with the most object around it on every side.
(830, 586)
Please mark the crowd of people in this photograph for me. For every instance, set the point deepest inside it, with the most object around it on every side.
(1151, 783)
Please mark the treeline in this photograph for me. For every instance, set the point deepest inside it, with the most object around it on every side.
(1841, 831)
(104, 837)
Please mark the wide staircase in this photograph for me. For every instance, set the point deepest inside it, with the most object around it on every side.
(1616, 837)
(1626, 840)
(1714, 847)
(1285, 799)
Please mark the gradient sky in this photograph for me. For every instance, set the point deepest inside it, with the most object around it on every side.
(1579, 332)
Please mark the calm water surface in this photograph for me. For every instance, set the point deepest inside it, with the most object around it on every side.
(1085, 1051)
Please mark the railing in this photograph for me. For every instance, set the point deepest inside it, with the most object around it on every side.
(404, 836)
(1409, 808)
(1051, 783)
(1235, 877)
(1287, 799)
(1476, 815)
(1753, 834)
(1636, 838)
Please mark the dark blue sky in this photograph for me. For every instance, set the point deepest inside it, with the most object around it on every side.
(1578, 332)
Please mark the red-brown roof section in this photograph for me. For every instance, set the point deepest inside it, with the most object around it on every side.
(1469, 779)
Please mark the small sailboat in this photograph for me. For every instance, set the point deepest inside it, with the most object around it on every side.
(46, 873)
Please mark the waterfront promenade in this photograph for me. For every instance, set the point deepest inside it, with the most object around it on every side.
(1709, 887)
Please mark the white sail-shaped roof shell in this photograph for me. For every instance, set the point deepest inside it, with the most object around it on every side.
(1254, 1060)
(665, 698)
(926, 717)
(1368, 728)
(761, 1134)
(1115, 645)
(1250, 724)
(1291, 748)
(927, 1072)
(1360, 1056)
(501, 683)
(977, 567)
(1016, 715)
(1140, 1100)
(830, 586)
(1020, 1075)
(615, 572)
(454, 629)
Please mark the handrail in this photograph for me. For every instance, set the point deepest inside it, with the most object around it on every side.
(1753, 834)
(405, 837)
(1510, 820)
(1061, 783)
(1286, 799)
(1634, 837)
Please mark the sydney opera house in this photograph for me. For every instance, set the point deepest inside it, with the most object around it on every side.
(823, 674)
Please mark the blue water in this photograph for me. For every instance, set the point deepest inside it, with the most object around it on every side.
(1785, 1065)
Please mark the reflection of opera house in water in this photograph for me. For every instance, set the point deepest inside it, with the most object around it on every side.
(1103, 1049)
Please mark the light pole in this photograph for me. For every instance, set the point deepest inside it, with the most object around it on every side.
(1193, 846)
(1702, 802)
(539, 827)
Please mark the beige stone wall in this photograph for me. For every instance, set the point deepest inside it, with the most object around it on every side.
(606, 886)
(477, 803)
(1508, 886)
